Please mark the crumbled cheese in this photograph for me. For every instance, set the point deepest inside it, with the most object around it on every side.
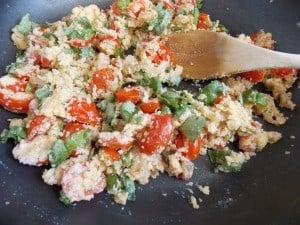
(204, 189)
(194, 202)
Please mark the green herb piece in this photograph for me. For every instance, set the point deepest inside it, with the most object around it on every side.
(165, 110)
(113, 183)
(110, 112)
(253, 97)
(58, 153)
(171, 98)
(87, 31)
(26, 26)
(222, 28)
(213, 90)
(199, 4)
(126, 160)
(219, 158)
(17, 133)
(128, 186)
(195, 14)
(12, 67)
(119, 52)
(183, 109)
(176, 28)
(164, 17)
(87, 52)
(127, 110)
(123, 4)
(50, 36)
(64, 199)
(80, 139)
(44, 92)
(192, 127)
(28, 88)
(155, 84)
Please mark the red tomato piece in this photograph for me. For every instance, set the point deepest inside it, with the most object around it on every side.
(15, 102)
(39, 125)
(219, 99)
(101, 78)
(150, 106)
(84, 112)
(111, 153)
(194, 148)
(163, 54)
(71, 128)
(284, 72)
(136, 7)
(156, 136)
(80, 43)
(203, 21)
(132, 94)
(254, 76)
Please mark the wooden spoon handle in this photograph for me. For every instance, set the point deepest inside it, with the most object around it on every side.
(206, 55)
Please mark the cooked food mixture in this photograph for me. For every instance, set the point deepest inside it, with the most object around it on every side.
(103, 109)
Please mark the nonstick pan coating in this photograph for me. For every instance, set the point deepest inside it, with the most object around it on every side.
(266, 191)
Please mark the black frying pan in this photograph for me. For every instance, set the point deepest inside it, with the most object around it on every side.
(266, 191)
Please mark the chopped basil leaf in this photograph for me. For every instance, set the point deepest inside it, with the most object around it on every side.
(192, 127)
(164, 17)
(80, 139)
(44, 92)
(253, 97)
(219, 158)
(128, 186)
(64, 199)
(213, 90)
(183, 109)
(58, 153)
(176, 28)
(155, 84)
(17, 133)
(26, 26)
(127, 110)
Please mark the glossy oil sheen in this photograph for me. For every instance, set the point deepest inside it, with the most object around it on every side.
(265, 192)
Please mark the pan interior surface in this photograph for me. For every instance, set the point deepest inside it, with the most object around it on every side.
(266, 191)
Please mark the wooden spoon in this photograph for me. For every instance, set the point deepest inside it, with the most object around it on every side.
(206, 55)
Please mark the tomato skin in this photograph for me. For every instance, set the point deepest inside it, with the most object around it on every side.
(219, 99)
(156, 136)
(15, 102)
(132, 94)
(194, 148)
(71, 128)
(101, 78)
(163, 54)
(111, 153)
(80, 43)
(150, 106)
(203, 21)
(253, 76)
(38, 125)
(84, 112)
(284, 72)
